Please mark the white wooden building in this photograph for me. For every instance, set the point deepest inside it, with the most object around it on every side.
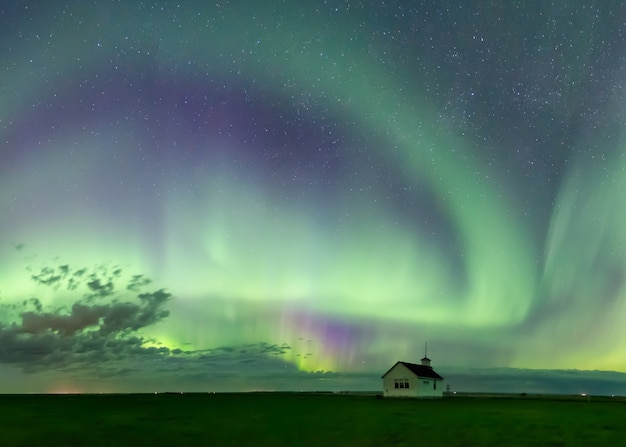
(411, 380)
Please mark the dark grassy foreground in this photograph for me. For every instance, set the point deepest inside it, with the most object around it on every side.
(307, 419)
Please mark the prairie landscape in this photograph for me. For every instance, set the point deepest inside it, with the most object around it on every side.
(303, 419)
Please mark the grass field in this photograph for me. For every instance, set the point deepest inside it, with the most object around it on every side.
(276, 419)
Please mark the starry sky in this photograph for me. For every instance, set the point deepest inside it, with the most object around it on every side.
(243, 195)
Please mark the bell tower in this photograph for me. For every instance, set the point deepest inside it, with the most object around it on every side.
(426, 360)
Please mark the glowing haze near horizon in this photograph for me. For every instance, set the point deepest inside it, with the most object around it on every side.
(256, 193)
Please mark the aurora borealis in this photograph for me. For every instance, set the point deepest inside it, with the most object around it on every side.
(271, 195)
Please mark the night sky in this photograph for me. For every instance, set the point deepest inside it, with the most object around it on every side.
(278, 195)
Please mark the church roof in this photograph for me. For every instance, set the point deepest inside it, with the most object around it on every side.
(418, 370)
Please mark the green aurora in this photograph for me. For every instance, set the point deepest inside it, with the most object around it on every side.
(305, 185)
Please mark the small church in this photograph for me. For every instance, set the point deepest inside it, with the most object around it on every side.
(412, 380)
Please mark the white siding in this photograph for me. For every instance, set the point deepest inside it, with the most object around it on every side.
(427, 387)
(399, 371)
(418, 387)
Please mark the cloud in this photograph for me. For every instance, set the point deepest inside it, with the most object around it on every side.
(99, 334)
(137, 282)
(47, 277)
(99, 327)
(101, 289)
(80, 318)
(532, 381)
(97, 283)
(121, 317)
(98, 338)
